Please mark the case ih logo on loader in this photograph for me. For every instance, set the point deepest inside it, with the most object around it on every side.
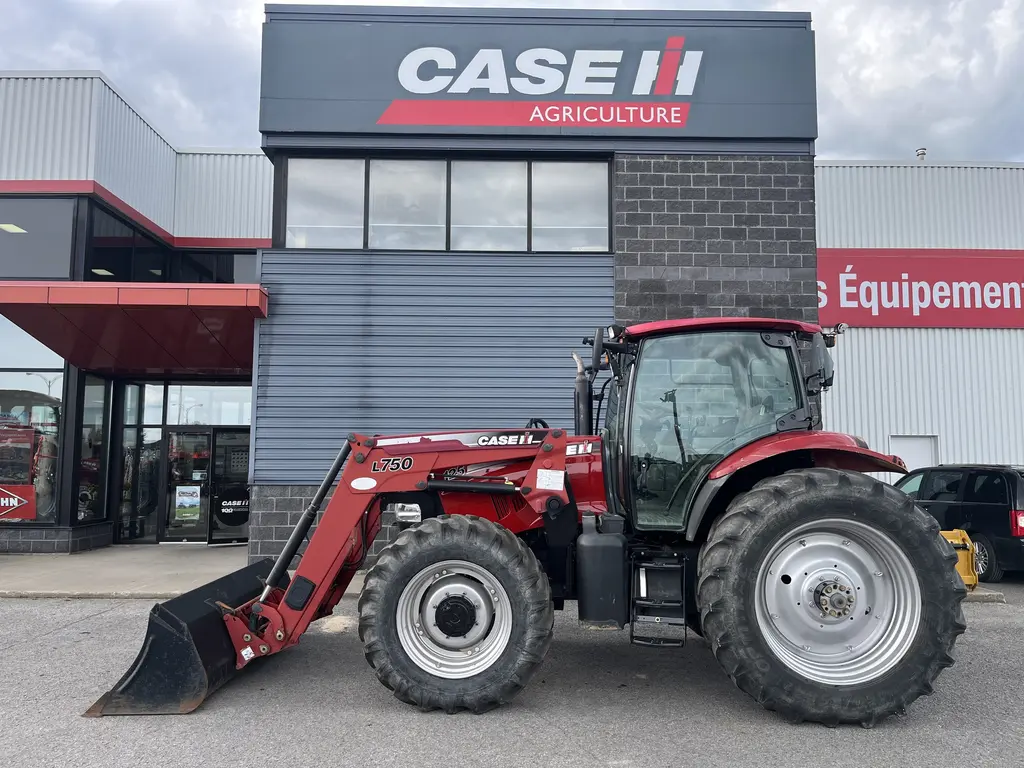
(825, 593)
(493, 72)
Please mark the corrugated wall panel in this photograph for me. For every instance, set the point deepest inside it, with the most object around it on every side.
(45, 128)
(923, 205)
(960, 385)
(413, 342)
(223, 195)
(132, 160)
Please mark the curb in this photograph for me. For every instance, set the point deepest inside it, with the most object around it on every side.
(982, 595)
(60, 594)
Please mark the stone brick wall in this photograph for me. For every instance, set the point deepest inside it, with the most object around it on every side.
(700, 235)
(15, 539)
(275, 509)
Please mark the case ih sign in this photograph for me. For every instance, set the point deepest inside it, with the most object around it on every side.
(517, 72)
(17, 502)
(545, 72)
(921, 288)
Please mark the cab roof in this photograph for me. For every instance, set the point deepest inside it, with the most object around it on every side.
(657, 327)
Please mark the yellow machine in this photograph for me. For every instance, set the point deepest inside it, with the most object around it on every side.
(965, 565)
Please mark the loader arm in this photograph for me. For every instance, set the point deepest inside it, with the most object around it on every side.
(195, 646)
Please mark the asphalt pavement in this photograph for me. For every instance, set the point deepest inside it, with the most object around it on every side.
(597, 702)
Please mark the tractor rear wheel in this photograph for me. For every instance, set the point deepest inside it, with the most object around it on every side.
(456, 614)
(829, 596)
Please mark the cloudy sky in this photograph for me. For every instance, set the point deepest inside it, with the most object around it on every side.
(892, 75)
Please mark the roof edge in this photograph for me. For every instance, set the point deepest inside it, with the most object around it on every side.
(818, 162)
(282, 12)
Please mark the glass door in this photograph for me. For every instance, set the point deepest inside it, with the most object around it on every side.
(188, 486)
(230, 487)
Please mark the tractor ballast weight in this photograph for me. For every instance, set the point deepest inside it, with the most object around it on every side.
(825, 594)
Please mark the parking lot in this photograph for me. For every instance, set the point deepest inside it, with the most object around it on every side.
(597, 702)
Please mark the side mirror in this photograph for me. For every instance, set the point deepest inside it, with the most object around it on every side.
(595, 362)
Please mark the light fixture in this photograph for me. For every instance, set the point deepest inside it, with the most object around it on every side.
(104, 272)
(157, 272)
(14, 229)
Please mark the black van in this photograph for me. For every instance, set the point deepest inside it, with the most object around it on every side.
(986, 500)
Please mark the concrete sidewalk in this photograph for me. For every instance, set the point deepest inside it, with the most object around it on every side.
(159, 572)
(153, 572)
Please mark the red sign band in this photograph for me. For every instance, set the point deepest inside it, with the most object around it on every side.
(921, 288)
(526, 114)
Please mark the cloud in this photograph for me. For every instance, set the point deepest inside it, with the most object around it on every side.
(892, 75)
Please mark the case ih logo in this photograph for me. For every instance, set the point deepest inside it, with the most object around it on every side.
(668, 74)
(10, 502)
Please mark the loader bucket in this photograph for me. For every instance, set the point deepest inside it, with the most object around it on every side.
(187, 653)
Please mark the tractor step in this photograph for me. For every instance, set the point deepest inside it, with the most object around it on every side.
(657, 590)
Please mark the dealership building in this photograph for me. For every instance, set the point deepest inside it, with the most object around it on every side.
(444, 203)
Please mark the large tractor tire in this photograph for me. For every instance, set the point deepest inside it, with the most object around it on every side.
(829, 596)
(456, 614)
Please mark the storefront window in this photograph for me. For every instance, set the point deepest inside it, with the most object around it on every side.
(570, 206)
(132, 392)
(30, 410)
(408, 204)
(325, 203)
(489, 206)
(110, 247)
(35, 239)
(153, 405)
(206, 405)
(90, 505)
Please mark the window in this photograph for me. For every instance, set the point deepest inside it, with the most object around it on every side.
(489, 206)
(941, 485)
(987, 488)
(91, 507)
(325, 203)
(459, 205)
(209, 405)
(30, 410)
(118, 252)
(21, 351)
(35, 238)
(408, 204)
(911, 484)
(570, 206)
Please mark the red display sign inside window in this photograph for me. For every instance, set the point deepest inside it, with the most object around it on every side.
(921, 288)
(17, 502)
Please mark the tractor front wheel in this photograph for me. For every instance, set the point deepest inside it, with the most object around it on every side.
(456, 614)
(829, 596)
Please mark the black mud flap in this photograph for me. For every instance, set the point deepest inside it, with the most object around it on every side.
(187, 653)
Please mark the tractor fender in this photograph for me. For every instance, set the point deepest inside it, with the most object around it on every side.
(817, 448)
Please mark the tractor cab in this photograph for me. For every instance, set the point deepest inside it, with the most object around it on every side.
(684, 395)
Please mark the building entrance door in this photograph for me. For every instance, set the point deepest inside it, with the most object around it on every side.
(188, 486)
(207, 488)
(229, 488)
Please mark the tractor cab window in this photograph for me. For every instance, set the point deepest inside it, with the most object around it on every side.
(697, 398)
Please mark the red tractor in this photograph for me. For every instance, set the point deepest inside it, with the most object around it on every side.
(709, 501)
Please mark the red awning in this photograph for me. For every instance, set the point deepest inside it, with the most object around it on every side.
(162, 329)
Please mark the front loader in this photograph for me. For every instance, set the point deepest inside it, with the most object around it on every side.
(709, 500)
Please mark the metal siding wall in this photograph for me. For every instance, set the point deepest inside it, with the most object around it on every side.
(132, 160)
(415, 342)
(45, 128)
(223, 195)
(863, 205)
(957, 384)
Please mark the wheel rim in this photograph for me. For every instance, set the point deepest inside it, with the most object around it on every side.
(980, 558)
(838, 602)
(454, 619)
